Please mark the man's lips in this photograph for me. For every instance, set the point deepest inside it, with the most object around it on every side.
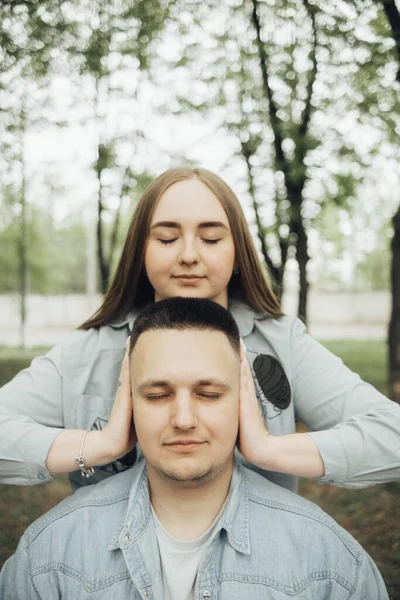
(184, 446)
(183, 443)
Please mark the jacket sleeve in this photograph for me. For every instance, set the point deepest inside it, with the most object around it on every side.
(356, 428)
(369, 585)
(31, 416)
(15, 579)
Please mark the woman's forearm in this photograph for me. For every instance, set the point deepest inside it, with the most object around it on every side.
(65, 449)
(296, 454)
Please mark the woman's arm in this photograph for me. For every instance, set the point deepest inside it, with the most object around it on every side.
(355, 427)
(31, 417)
(101, 447)
(296, 454)
(33, 441)
(355, 440)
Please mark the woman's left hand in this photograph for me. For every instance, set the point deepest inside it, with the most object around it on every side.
(253, 434)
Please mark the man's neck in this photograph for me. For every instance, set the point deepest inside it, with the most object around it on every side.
(187, 510)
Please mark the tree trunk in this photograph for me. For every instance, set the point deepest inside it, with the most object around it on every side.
(275, 272)
(302, 257)
(294, 186)
(394, 326)
(23, 266)
(393, 16)
(104, 267)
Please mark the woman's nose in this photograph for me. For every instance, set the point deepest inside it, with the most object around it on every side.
(188, 252)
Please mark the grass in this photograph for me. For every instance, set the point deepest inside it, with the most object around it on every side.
(370, 515)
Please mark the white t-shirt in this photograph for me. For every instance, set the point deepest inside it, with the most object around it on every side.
(180, 560)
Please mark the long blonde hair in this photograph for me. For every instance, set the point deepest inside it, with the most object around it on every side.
(130, 287)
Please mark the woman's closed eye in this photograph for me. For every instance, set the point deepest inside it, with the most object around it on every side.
(205, 240)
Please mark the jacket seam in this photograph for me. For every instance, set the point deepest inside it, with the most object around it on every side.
(69, 572)
(306, 514)
(291, 589)
(74, 508)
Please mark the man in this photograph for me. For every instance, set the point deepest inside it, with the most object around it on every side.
(188, 521)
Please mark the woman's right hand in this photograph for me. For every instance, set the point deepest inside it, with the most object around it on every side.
(101, 447)
(119, 435)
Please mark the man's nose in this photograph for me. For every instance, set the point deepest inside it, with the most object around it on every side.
(183, 412)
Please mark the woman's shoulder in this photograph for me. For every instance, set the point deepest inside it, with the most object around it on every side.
(247, 318)
(108, 336)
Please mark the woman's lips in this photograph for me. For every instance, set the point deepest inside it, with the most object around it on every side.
(188, 280)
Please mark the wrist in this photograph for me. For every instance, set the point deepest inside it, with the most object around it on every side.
(266, 458)
(98, 450)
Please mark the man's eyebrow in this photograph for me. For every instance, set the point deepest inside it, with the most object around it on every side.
(161, 383)
(150, 383)
(175, 225)
(212, 383)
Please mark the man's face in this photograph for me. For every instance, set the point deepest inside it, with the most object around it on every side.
(185, 389)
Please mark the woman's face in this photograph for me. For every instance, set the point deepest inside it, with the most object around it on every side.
(190, 250)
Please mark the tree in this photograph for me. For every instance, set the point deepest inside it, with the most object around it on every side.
(119, 42)
(393, 17)
(27, 36)
(294, 169)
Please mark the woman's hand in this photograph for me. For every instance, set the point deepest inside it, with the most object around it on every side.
(253, 434)
(295, 453)
(101, 447)
(119, 434)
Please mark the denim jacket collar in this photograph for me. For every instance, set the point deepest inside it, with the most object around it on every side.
(235, 520)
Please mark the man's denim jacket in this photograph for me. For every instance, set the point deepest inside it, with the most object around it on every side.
(271, 544)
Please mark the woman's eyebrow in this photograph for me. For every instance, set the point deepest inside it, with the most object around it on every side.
(203, 225)
(207, 224)
(170, 224)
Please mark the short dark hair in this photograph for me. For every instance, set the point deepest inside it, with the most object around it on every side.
(186, 313)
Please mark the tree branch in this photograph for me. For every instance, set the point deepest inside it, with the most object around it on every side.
(393, 16)
(281, 162)
(305, 121)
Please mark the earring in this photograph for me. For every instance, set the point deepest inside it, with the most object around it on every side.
(236, 271)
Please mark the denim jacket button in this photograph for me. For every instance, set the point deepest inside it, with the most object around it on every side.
(146, 593)
(127, 539)
(206, 594)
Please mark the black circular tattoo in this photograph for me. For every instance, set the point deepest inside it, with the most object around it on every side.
(272, 380)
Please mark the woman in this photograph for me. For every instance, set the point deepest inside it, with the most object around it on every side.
(189, 237)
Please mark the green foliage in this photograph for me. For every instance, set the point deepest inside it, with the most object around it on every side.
(55, 255)
(368, 358)
(13, 360)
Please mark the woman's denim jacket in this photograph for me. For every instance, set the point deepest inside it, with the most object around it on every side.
(101, 544)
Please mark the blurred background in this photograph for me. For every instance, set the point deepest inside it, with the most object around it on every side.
(295, 103)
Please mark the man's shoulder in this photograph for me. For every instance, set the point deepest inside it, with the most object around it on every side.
(296, 515)
(109, 496)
